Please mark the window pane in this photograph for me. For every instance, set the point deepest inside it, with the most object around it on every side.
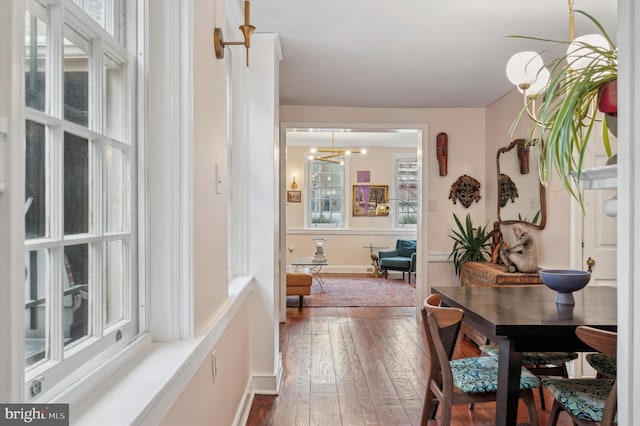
(407, 191)
(76, 184)
(116, 181)
(35, 54)
(113, 98)
(99, 10)
(325, 199)
(35, 304)
(35, 177)
(115, 283)
(76, 80)
(75, 314)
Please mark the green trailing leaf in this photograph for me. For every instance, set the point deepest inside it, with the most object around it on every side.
(469, 244)
(567, 114)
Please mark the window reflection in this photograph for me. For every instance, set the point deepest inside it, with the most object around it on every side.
(76, 293)
(76, 184)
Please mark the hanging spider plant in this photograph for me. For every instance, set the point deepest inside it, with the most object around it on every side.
(564, 121)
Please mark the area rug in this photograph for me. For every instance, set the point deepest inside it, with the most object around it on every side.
(362, 291)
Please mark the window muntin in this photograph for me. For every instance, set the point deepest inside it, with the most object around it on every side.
(405, 198)
(80, 287)
(326, 198)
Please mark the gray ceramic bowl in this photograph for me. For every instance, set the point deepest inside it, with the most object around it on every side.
(565, 282)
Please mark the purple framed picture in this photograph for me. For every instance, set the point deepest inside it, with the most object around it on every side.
(363, 176)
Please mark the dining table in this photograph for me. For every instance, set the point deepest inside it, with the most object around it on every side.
(526, 318)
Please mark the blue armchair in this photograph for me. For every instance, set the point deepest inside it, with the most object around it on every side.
(402, 258)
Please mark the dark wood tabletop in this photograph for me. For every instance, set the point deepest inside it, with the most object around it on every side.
(528, 319)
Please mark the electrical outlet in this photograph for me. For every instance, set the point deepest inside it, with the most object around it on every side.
(214, 366)
(36, 386)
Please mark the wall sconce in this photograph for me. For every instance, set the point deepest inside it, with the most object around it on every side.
(247, 29)
(294, 185)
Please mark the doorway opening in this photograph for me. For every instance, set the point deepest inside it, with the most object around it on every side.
(359, 203)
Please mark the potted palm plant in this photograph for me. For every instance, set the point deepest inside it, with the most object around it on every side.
(469, 244)
(572, 88)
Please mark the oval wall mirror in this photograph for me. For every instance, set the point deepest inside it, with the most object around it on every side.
(521, 196)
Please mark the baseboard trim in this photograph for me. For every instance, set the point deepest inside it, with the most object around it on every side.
(258, 385)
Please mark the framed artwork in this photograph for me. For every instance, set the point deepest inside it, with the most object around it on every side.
(294, 196)
(365, 199)
(363, 176)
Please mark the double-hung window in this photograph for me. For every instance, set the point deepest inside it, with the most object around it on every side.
(80, 288)
(326, 197)
(405, 197)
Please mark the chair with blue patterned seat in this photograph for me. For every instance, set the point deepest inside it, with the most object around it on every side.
(546, 364)
(465, 380)
(605, 365)
(589, 402)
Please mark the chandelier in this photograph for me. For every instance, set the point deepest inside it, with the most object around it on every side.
(333, 155)
(527, 71)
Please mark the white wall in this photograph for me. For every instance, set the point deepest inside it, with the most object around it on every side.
(11, 210)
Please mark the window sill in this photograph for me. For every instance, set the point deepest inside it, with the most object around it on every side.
(142, 382)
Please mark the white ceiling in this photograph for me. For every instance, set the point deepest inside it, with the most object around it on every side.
(410, 53)
(353, 138)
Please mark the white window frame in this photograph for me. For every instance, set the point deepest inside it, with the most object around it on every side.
(394, 191)
(344, 224)
(66, 366)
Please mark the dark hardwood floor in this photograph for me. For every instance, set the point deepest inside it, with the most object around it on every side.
(360, 366)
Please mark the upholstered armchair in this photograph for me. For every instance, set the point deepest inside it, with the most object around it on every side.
(402, 258)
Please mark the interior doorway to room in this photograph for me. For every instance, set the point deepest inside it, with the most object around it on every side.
(331, 193)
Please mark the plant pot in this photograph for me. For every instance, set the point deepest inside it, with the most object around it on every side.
(608, 98)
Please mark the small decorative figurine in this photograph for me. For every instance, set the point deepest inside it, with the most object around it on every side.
(521, 256)
(466, 189)
(497, 243)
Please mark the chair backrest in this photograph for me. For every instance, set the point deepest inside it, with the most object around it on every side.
(606, 342)
(448, 334)
(601, 340)
(436, 321)
(406, 248)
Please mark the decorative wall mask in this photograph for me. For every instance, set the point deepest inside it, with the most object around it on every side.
(523, 156)
(442, 152)
(507, 190)
(466, 189)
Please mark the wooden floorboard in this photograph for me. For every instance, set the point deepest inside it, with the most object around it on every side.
(360, 366)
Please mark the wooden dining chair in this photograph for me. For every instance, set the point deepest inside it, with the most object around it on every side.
(589, 402)
(539, 363)
(465, 380)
